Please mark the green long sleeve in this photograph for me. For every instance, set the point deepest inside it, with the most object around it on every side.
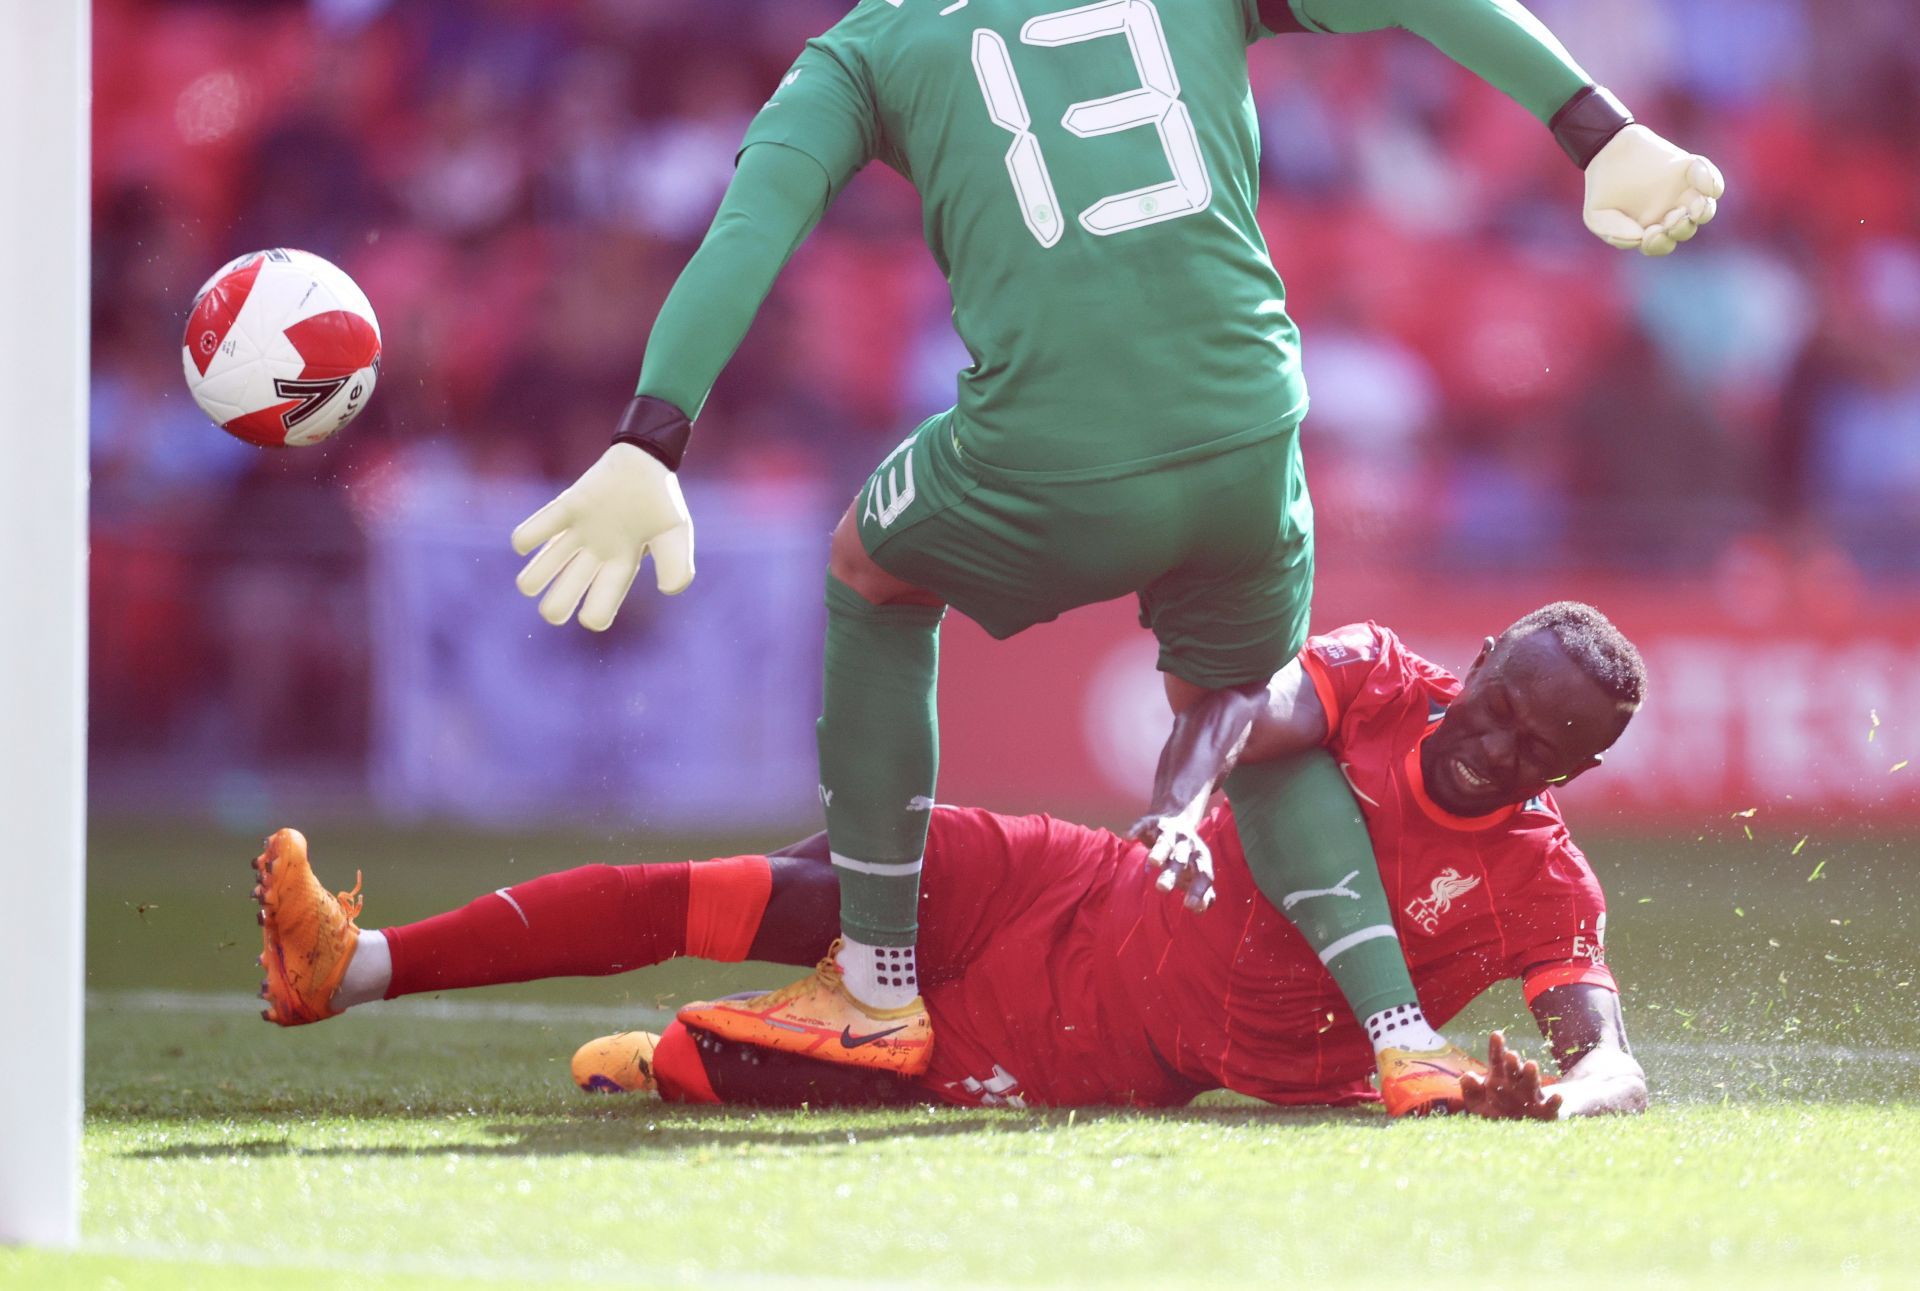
(1497, 40)
(776, 197)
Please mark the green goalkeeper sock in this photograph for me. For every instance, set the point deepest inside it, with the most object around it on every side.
(879, 752)
(1309, 853)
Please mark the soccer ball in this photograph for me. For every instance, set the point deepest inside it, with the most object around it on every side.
(282, 349)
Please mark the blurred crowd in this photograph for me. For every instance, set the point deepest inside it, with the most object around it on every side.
(515, 183)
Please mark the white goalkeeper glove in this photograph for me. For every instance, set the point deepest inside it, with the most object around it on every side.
(594, 534)
(1643, 192)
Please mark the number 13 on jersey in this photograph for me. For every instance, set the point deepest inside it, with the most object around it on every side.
(1156, 102)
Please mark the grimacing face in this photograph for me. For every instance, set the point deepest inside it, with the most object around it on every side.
(1527, 718)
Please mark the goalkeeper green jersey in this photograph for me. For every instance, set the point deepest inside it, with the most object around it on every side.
(1088, 177)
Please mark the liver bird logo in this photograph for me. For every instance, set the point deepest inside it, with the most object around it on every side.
(1447, 885)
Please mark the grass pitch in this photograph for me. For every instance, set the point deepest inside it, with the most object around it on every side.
(438, 1142)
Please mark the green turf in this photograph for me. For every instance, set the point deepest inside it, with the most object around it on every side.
(426, 1146)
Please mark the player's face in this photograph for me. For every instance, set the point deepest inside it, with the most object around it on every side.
(1527, 718)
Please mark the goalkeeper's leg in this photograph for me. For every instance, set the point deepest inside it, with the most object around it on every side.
(1309, 853)
(878, 757)
(879, 754)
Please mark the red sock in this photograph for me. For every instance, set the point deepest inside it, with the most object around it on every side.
(589, 922)
(678, 1070)
(725, 903)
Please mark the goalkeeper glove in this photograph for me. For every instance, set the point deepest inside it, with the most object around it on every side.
(1642, 192)
(592, 536)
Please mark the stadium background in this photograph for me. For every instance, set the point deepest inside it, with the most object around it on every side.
(1720, 449)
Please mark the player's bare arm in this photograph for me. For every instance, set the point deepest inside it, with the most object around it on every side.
(1290, 720)
(1210, 727)
(1214, 731)
(1587, 1035)
(1584, 1026)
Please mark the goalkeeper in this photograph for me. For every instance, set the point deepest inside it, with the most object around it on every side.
(1129, 424)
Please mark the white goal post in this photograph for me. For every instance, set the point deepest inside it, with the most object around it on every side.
(44, 220)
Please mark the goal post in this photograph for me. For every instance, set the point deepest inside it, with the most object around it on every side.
(44, 221)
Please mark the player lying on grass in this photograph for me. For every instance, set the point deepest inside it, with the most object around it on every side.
(1056, 971)
(1129, 422)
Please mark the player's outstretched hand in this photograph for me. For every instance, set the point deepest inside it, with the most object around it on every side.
(1645, 193)
(1512, 1089)
(592, 536)
(1181, 858)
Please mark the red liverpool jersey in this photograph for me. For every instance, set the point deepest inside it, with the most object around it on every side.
(1056, 974)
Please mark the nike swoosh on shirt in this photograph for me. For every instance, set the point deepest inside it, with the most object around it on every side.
(848, 1040)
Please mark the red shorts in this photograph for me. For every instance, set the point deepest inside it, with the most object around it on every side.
(1016, 965)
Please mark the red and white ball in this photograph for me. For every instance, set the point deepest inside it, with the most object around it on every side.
(282, 348)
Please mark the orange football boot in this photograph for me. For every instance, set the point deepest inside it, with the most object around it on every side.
(616, 1064)
(307, 933)
(1425, 1082)
(817, 1018)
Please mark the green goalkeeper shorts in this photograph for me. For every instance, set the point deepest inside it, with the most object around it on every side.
(1218, 548)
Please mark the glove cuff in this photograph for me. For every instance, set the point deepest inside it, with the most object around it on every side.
(656, 428)
(1585, 123)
